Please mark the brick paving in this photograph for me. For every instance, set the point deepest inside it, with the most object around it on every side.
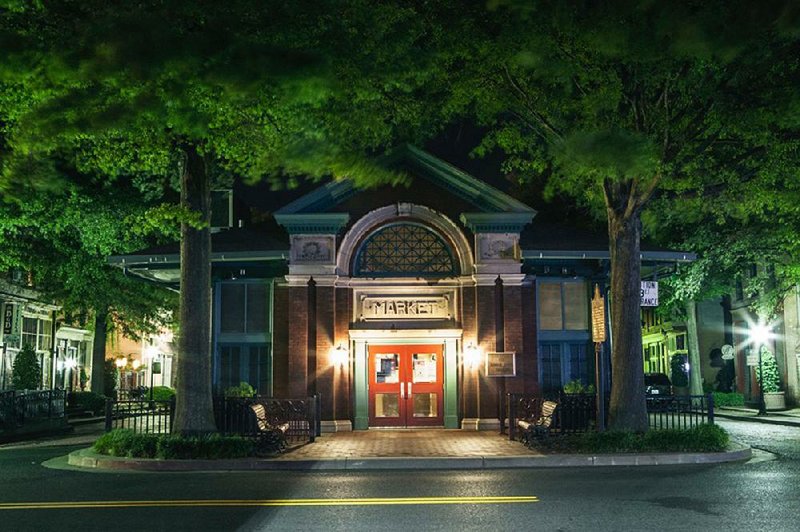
(405, 443)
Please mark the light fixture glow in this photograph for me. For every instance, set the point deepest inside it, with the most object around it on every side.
(121, 362)
(339, 355)
(760, 334)
(136, 363)
(472, 355)
(71, 363)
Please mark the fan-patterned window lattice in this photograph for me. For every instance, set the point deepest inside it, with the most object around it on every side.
(404, 250)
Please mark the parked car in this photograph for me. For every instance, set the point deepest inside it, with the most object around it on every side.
(657, 385)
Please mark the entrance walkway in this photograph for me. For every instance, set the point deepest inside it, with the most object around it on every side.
(428, 443)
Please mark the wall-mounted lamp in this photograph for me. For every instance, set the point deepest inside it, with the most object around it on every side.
(136, 363)
(121, 362)
(339, 355)
(472, 355)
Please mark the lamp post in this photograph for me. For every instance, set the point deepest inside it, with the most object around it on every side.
(759, 335)
(121, 362)
(151, 353)
(71, 364)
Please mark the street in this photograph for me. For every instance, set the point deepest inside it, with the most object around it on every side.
(761, 494)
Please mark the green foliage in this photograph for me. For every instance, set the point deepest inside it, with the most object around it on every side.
(163, 393)
(678, 374)
(242, 390)
(702, 438)
(769, 367)
(91, 401)
(728, 399)
(110, 378)
(26, 371)
(123, 442)
(577, 386)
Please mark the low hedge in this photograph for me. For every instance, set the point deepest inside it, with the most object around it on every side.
(702, 439)
(123, 442)
(728, 399)
(92, 401)
(163, 393)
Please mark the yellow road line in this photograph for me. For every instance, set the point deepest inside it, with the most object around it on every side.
(55, 505)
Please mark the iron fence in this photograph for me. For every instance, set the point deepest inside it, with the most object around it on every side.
(233, 415)
(578, 412)
(153, 417)
(17, 407)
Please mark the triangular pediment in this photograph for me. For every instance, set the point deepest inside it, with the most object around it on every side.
(435, 182)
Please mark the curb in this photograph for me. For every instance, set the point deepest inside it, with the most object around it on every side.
(756, 419)
(86, 458)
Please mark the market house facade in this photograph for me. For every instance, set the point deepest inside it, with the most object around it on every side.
(400, 307)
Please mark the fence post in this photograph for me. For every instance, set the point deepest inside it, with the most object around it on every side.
(318, 418)
(710, 399)
(311, 415)
(109, 410)
(511, 407)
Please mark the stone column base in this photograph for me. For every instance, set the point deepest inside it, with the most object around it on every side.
(336, 425)
(480, 424)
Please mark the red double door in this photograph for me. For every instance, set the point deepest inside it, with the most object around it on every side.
(405, 385)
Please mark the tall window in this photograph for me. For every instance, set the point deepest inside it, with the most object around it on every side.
(563, 306)
(562, 362)
(37, 333)
(244, 308)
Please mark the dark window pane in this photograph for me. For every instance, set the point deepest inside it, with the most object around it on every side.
(551, 366)
(576, 307)
(256, 308)
(232, 308)
(550, 306)
(578, 367)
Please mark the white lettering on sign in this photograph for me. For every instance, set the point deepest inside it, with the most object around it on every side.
(649, 296)
(420, 308)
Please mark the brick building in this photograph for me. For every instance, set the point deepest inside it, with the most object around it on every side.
(407, 307)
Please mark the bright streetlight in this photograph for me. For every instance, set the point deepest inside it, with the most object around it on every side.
(760, 334)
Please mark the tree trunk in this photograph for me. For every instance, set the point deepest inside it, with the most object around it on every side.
(194, 414)
(97, 382)
(692, 343)
(628, 409)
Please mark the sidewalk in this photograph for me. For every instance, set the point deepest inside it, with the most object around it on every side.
(409, 450)
(788, 418)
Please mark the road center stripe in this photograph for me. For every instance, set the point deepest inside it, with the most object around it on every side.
(65, 505)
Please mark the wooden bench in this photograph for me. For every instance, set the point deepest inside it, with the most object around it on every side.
(272, 435)
(533, 428)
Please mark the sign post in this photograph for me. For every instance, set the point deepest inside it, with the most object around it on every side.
(598, 337)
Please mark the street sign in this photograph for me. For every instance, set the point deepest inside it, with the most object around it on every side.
(156, 368)
(598, 316)
(649, 294)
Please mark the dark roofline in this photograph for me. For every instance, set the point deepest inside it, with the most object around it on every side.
(656, 256)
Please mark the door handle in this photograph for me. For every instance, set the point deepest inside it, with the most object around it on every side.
(402, 390)
(409, 390)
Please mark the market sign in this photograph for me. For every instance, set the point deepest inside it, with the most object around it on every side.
(598, 316)
(649, 296)
(501, 364)
(433, 307)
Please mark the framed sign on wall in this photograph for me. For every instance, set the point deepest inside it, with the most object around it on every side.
(501, 364)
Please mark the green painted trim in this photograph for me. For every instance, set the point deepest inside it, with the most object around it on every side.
(320, 223)
(450, 388)
(477, 192)
(360, 392)
(497, 222)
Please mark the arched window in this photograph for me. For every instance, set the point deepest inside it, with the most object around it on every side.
(404, 250)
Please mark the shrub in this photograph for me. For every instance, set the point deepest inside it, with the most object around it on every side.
(110, 376)
(577, 386)
(728, 399)
(769, 366)
(91, 401)
(123, 442)
(26, 372)
(243, 390)
(702, 438)
(163, 393)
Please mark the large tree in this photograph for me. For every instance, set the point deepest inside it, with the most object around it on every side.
(618, 103)
(180, 92)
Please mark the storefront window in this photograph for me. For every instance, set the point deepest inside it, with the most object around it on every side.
(563, 305)
(37, 333)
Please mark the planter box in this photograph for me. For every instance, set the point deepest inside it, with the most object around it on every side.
(775, 401)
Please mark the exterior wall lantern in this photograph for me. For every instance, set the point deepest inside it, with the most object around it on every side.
(472, 356)
(339, 356)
